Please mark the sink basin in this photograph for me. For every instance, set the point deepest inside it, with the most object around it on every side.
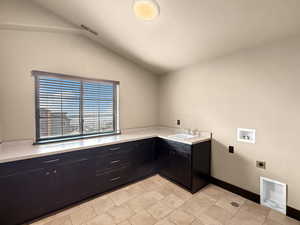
(182, 136)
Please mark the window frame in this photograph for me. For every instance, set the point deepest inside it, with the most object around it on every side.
(116, 117)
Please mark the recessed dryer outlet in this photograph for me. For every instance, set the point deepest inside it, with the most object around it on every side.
(246, 135)
(273, 194)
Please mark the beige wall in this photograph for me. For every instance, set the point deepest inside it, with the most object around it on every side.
(23, 51)
(28, 13)
(252, 89)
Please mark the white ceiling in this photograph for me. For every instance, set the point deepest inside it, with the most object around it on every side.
(187, 31)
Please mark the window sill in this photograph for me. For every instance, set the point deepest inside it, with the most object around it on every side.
(74, 138)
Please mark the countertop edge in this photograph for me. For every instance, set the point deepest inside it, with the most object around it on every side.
(73, 149)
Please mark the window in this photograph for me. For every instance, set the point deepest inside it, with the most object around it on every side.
(69, 108)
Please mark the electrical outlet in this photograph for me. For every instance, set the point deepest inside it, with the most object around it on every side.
(178, 122)
(261, 164)
(231, 149)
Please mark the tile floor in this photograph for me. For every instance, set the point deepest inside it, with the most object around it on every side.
(156, 201)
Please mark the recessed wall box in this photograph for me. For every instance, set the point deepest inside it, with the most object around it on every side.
(246, 135)
(273, 194)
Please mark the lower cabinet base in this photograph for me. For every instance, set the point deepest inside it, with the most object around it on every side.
(71, 178)
(150, 173)
(190, 188)
(91, 197)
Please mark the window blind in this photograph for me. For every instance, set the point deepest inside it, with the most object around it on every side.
(69, 107)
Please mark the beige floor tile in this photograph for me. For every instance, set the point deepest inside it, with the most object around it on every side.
(255, 209)
(65, 220)
(159, 210)
(126, 222)
(172, 201)
(142, 218)
(72, 210)
(206, 220)
(150, 184)
(219, 214)
(225, 202)
(165, 189)
(197, 206)
(121, 196)
(181, 193)
(83, 215)
(157, 178)
(102, 205)
(271, 222)
(164, 222)
(281, 218)
(180, 217)
(213, 192)
(246, 218)
(46, 219)
(158, 201)
(103, 219)
(135, 190)
(39, 222)
(197, 222)
(144, 201)
(154, 195)
(120, 213)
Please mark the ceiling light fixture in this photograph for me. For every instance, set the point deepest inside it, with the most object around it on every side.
(146, 9)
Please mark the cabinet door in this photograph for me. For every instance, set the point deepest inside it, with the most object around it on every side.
(23, 196)
(143, 159)
(74, 179)
(144, 151)
(164, 158)
(174, 161)
(181, 167)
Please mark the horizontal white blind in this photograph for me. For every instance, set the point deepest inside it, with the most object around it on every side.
(74, 108)
(98, 107)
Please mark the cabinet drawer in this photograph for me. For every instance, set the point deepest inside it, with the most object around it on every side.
(111, 178)
(112, 149)
(11, 168)
(111, 161)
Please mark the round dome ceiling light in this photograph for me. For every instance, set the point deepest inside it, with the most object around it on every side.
(146, 9)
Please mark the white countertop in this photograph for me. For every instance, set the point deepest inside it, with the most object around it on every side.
(19, 150)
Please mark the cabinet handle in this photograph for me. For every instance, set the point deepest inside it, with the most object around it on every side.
(52, 161)
(47, 173)
(54, 171)
(114, 179)
(115, 149)
(115, 161)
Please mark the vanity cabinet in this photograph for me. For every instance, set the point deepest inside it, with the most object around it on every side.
(31, 188)
(187, 165)
(144, 161)
(22, 195)
(34, 187)
(175, 161)
(73, 181)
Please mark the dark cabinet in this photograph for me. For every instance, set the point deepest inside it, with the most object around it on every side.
(143, 159)
(73, 180)
(119, 164)
(187, 165)
(201, 163)
(175, 161)
(31, 188)
(112, 178)
(22, 195)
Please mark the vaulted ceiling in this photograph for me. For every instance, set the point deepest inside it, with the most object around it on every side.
(186, 32)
